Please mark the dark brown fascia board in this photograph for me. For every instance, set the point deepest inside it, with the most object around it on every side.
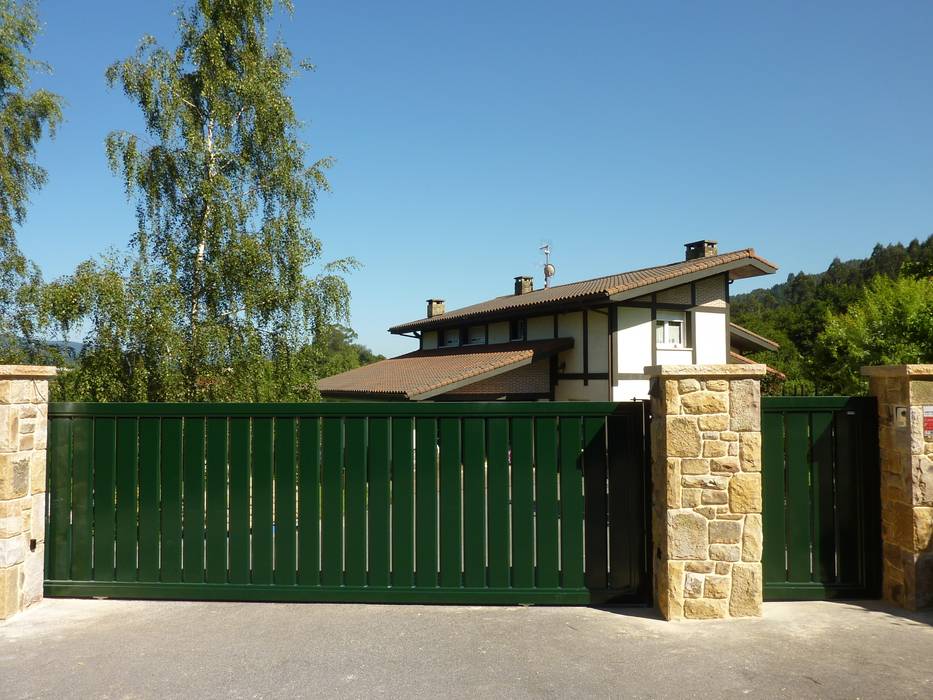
(758, 341)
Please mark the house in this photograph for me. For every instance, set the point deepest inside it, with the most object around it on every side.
(583, 341)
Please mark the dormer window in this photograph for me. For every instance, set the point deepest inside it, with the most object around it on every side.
(476, 335)
(670, 329)
(517, 329)
(451, 338)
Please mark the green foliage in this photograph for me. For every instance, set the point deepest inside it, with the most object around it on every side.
(216, 302)
(891, 324)
(796, 312)
(24, 118)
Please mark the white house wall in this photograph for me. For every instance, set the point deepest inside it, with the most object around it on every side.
(571, 326)
(576, 390)
(597, 330)
(541, 327)
(710, 334)
(429, 340)
(498, 332)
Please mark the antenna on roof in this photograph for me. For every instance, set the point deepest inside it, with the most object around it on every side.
(549, 269)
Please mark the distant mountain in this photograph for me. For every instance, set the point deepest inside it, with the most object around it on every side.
(793, 312)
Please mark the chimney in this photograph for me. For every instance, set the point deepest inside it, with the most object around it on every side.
(523, 285)
(701, 249)
(435, 307)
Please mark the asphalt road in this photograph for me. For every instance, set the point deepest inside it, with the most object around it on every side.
(128, 649)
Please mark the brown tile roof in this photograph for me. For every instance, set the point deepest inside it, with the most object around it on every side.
(745, 339)
(598, 288)
(737, 359)
(425, 373)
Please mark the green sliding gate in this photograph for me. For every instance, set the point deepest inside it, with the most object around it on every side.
(822, 536)
(435, 503)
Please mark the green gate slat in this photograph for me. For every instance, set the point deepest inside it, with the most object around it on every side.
(474, 502)
(150, 449)
(309, 502)
(822, 497)
(497, 502)
(571, 503)
(523, 526)
(59, 466)
(239, 499)
(126, 477)
(216, 500)
(547, 529)
(774, 523)
(332, 503)
(171, 477)
(355, 525)
(378, 466)
(848, 476)
(105, 444)
(450, 538)
(286, 518)
(425, 502)
(626, 528)
(82, 526)
(193, 504)
(798, 497)
(596, 543)
(403, 524)
(261, 469)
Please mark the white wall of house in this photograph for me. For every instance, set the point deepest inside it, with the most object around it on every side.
(576, 390)
(571, 326)
(632, 352)
(711, 333)
(541, 327)
(499, 332)
(429, 340)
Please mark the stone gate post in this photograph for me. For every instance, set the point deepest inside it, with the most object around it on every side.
(24, 396)
(706, 474)
(905, 438)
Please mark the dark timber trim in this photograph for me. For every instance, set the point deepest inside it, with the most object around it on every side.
(586, 349)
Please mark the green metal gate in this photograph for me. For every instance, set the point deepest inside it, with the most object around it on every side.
(822, 536)
(497, 503)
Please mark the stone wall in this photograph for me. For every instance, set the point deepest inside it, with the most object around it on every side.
(24, 393)
(906, 482)
(706, 464)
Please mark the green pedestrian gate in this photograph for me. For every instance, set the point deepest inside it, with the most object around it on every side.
(499, 503)
(821, 511)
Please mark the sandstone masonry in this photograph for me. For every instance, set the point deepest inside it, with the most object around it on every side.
(906, 482)
(24, 394)
(706, 472)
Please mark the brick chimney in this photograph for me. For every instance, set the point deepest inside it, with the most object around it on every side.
(523, 285)
(701, 249)
(435, 307)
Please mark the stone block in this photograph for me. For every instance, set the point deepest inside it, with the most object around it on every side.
(715, 448)
(923, 530)
(725, 532)
(715, 421)
(693, 465)
(709, 497)
(717, 384)
(33, 576)
(705, 402)
(687, 535)
(685, 386)
(695, 481)
(37, 529)
(9, 427)
(717, 587)
(14, 474)
(745, 599)
(728, 465)
(700, 567)
(921, 391)
(12, 550)
(752, 538)
(690, 498)
(683, 437)
(723, 568)
(9, 589)
(725, 552)
(745, 493)
(671, 591)
(705, 609)
(693, 586)
(671, 399)
(37, 463)
(745, 405)
(672, 479)
(11, 518)
(750, 451)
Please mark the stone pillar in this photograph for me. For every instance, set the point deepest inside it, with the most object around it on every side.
(706, 473)
(24, 396)
(905, 394)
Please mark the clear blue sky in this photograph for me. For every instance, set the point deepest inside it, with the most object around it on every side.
(466, 136)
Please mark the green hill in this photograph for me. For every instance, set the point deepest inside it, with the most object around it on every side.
(794, 312)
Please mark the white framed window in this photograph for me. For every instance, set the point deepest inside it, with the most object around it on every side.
(670, 329)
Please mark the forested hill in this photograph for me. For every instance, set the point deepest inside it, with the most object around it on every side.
(795, 312)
